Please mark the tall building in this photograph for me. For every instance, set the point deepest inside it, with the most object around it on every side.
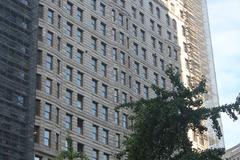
(232, 153)
(18, 24)
(96, 54)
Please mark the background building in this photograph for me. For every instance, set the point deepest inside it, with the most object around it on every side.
(96, 54)
(232, 153)
(18, 24)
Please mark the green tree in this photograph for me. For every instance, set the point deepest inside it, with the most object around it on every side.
(161, 124)
(70, 153)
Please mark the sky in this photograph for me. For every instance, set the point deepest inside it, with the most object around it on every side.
(224, 17)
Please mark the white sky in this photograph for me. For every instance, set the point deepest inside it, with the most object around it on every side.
(224, 17)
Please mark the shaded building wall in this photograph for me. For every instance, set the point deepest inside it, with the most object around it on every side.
(17, 78)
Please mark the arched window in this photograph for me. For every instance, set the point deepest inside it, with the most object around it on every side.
(158, 12)
(174, 24)
(151, 7)
(168, 19)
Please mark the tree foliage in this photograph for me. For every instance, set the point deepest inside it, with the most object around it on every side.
(70, 153)
(161, 124)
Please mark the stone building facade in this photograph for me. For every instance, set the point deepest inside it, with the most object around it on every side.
(18, 24)
(93, 55)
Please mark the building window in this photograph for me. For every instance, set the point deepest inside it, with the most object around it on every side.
(79, 79)
(123, 78)
(145, 72)
(158, 13)
(57, 115)
(36, 134)
(69, 8)
(39, 82)
(141, 17)
(124, 120)
(175, 54)
(79, 57)
(124, 97)
(105, 136)
(49, 62)
(57, 141)
(174, 24)
(79, 35)
(69, 97)
(79, 15)
(80, 126)
(159, 30)
(144, 55)
(122, 38)
(95, 154)
(113, 15)
(40, 11)
(94, 23)
(94, 86)
(136, 67)
(50, 16)
(135, 48)
(80, 102)
(39, 57)
(152, 25)
(104, 90)
(130, 81)
(153, 42)
(95, 132)
(105, 156)
(151, 7)
(103, 49)
(94, 108)
(117, 140)
(40, 34)
(103, 28)
(145, 92)
(138, 87)
(134, 27)
(68, 121)
(94, 43)
(38, 107)
(115, 74)
(156, 79)
(163, 83)
(114, 34)
(94, 64)
(142, 34)
(69, 49)
(169, 51)
(134, 12)
(69, 29)
(94, 4)
(47, 138)
(116, 96)
(48, 87)
(160, 46)
(154, 60)
(58, 43)
(114, 54)
(80, 147)
(168, 19)
(102, 9)
(120, 19)
(116, 118)
(105, 113)
(69, 73)
(169, 35)
(162, 65)
(47, 111)
(50, 38)
(122, 3)
(58, 90)
(122, 58)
